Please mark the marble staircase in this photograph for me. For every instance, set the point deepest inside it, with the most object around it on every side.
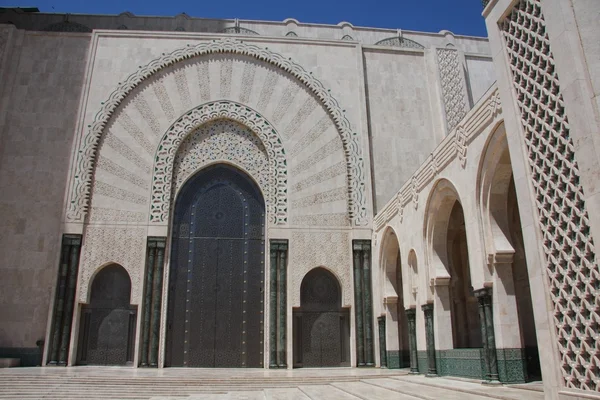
(91, 383)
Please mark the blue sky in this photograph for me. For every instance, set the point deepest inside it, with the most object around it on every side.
(459, 16)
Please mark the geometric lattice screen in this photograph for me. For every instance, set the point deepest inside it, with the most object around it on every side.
(568, 245)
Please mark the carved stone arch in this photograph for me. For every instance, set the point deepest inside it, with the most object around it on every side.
(493, 184)
(441, 201)
(206, 113)
(87, 152)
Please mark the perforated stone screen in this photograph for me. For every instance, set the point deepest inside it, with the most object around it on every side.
(568, 245)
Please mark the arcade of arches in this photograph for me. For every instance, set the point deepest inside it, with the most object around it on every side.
(465, 318)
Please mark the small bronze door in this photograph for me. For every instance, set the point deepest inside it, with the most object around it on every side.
(215, 312)
(107, 328)
(321, 325)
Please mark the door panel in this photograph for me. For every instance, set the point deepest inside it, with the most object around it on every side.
(216, 299)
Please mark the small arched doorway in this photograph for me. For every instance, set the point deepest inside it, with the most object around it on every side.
(107, 328)
(215, 308)
(321, 326)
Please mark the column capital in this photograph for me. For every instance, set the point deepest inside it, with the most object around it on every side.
(411, 312)
(427, 307)
(483, 292)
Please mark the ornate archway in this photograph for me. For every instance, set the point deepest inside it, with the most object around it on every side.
(86, 156)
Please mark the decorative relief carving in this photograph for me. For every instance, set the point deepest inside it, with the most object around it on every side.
(136, 133)
(84, 165)
(163, 98)
(143, 107)
(316, 131)
(307, 108)
(285, 102)
(247, 82)
(398, 41)
(267, 90)
(98, 214)
(319, 198)
(163, 170)
(331, 250)
(226, 71)
(225, 140)
(117, 193)
(453, 84)
(123, 173)
(328, 149)
(338, 219)
(571, 263)
(327, 173)
(117, 145)
(460, 140)
(103, 246)
(203, 80)
(183, 88)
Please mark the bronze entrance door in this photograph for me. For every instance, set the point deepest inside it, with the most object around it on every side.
(321, 326)
(215, 309)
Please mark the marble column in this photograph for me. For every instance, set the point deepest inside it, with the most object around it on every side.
(64, 301)
(484, 297)
(411, 314)
(278, 304)
(430, 340)
(155, 257)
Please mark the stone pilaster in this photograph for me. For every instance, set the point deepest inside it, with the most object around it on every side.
(362, 301)
(382, 341)
(411, 315)
(64, 301)
(429, 337)
(155, 257)
(278, 304)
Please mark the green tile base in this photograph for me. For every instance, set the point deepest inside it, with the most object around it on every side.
(398, 359)
(30, 356)
(466, 363)
(512, 365)
(422, 361)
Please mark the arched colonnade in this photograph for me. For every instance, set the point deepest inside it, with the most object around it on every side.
(451, 259)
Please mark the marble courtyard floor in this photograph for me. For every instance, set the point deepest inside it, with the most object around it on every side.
(92, 383)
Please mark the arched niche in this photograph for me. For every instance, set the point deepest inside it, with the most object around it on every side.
(321, 326)
(108, 322)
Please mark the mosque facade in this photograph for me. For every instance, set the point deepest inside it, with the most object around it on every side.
(186, 192)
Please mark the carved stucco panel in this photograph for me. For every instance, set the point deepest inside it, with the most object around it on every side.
(229, 142)
(206, 114)
(86, 156)
(107, 245)
(331, 250)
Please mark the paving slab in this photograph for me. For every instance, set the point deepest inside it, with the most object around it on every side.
(326, 392)
(367, 391)
(285, 394)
